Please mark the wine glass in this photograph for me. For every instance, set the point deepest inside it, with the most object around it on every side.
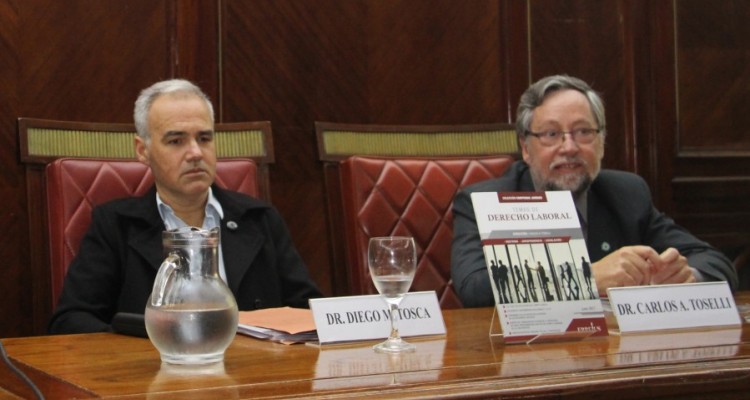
(392, 261)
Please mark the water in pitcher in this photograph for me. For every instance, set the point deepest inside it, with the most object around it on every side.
(191, 316)
(188, 334)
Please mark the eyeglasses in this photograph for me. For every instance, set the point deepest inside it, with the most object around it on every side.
(555, 138)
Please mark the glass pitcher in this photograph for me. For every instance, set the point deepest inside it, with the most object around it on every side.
(191, 316)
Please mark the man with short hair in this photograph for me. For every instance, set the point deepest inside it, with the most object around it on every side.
(561, 130)
(120, 254)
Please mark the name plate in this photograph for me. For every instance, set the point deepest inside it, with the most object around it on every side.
(648, 308)
(355, 318)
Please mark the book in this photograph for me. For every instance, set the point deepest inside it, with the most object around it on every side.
(538, 264)
(284, 325)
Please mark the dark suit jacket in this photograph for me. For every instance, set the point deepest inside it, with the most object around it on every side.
(120, 254)
(620, 213)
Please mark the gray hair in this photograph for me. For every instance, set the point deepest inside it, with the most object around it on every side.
(538, 91)
(150, 94)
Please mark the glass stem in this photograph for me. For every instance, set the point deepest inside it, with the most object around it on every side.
(394, 329)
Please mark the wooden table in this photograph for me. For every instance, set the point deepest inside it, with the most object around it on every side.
(465, 363)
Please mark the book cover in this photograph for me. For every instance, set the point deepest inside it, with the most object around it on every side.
(538, 265)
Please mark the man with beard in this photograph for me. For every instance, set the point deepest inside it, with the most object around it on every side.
(560, 125)
(120, 254)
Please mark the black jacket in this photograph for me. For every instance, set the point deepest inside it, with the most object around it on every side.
(120, 254)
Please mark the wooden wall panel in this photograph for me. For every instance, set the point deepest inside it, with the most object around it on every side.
(586, 39)
(651, 31)
(711, 179)
(193, 31)
(713, 41)
(437, 62)
(86, 60)
(14, 253)
(399, 62)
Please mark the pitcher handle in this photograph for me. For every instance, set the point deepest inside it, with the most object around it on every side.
(166, 270)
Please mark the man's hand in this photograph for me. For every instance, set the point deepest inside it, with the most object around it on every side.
(672, 268)
(628, 266)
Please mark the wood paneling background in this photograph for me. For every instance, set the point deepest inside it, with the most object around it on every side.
(672, 73)
(711, 182)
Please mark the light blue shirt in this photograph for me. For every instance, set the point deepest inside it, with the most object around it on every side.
(212, 219)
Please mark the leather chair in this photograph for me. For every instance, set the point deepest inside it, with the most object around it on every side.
(59, 214)
(400, 180)
(76, 186)
(408, 197)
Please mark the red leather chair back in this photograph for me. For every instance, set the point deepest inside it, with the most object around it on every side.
(76, 186)
(408, 197)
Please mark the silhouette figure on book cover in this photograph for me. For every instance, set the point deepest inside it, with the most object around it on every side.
(575, 290)
(586, 268)
(500, 278)
(522, 292)
(543, 281)
(530, 281)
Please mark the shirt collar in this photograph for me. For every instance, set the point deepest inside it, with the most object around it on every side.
(213, 213)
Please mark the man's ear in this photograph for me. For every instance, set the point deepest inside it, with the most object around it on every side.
(141, 151)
